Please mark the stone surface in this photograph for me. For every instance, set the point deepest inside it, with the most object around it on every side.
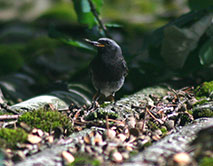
(170, 145)
(39, 102)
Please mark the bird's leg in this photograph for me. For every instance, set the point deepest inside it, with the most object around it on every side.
(111, 97)
(95, 98)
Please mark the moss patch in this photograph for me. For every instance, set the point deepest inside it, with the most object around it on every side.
(105, 104)
(101, 114)
(184, 119)
(85, 159)
(206, 161)
(164, 130)
(46, 120)
(204, 90)
(10, 137)
(152, 125)
(198, 113)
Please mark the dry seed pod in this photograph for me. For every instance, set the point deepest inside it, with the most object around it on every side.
(98, 139)
(131, 122)
(122, 137)
(182, 159)
(72, 150)
(129, 148)
(87, 139)
(117, 157)
(67, 156)
(111, 133)
(50, 139)
(134, 132)
(92, 133)
(33, 139)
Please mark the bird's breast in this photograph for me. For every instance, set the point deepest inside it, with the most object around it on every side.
(110, 71)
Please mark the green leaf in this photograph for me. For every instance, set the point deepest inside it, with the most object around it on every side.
(67, 40)
(198, 4)
(98, 5)
(85, 6)
(84, 13)
(77, 44)
(206, 53)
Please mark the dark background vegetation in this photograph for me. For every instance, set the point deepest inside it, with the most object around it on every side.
(42, 48)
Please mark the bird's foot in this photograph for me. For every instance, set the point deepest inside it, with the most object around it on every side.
(110, 98)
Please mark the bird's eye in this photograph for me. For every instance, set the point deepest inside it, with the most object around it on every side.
(107, 42)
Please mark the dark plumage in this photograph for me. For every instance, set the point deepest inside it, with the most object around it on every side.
(108, 69)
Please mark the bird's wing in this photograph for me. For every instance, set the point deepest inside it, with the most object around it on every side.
(125, 68)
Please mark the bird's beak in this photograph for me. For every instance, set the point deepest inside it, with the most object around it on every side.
(95, 43)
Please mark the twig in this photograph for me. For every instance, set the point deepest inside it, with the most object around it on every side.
(107, 126)
(147, 110)
(144, 121)
(8, 117)
(8, 108)
(9, 123)
(101, 25)
(116, 121)
(158, 120)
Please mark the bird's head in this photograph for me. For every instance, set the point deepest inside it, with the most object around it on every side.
(105, 45)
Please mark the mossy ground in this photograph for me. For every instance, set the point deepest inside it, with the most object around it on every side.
(46, 120)
(206, 161)
(84, 159)
(101, 114)
(153, 126)
(204, 93)
(10, 137)
(164, 130)
(204, 90)
(199, 113)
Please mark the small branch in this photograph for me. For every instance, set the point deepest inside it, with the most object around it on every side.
(8, 108)
(9, 123)
(107, 126)
(101, 25)
(8, 117)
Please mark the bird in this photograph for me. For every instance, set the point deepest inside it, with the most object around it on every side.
(107, 69)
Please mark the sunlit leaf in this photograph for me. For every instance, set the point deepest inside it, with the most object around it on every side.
(98, 5)
(77, 44)
(206, 53)
(84, 11)
(67, 40)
